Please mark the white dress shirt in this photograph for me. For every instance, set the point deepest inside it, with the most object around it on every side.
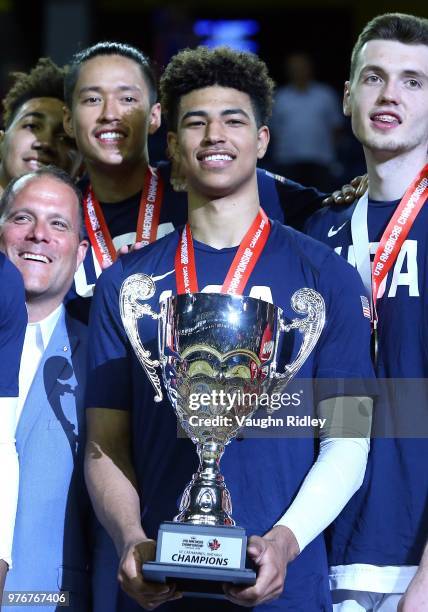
(37, 338)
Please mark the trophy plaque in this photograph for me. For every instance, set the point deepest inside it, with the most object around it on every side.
(212, 344)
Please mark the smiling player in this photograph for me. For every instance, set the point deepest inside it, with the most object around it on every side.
(218, 103)
(34, 134)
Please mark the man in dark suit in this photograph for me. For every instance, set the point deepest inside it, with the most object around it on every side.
(40, 232)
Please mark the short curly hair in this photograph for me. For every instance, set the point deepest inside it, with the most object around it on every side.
(45, 80)
(192, 69)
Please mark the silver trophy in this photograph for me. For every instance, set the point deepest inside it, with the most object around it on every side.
(213, 348)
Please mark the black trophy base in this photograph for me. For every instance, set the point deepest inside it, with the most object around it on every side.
(183, 541)
(197, 581)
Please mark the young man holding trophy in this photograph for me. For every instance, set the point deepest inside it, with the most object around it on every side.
(227, 267)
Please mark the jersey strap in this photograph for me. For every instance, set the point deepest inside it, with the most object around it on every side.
(392, 239)
(147, 224)
(241, 267)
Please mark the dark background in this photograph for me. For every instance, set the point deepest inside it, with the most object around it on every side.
(57, 28)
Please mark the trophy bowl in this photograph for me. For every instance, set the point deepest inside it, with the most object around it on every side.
(217, 353)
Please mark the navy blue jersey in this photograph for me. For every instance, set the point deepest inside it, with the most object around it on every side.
(262, 474)
(386, 522)
(278, 197)
(13, 322)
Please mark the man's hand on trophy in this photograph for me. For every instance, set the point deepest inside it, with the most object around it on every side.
(149, 595)
(271, 555)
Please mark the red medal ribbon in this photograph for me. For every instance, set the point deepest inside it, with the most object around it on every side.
(397, 230)
(150, 207)
(242, 265)
(147, 224)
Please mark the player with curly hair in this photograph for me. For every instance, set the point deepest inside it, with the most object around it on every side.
(197, 68)
(285, 491)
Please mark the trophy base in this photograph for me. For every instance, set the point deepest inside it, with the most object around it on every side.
(200, 558)
(197, 581)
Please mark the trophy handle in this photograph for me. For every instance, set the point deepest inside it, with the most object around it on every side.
(134, 290)
(310, 302)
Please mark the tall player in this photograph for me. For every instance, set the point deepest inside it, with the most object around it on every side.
(218, 103)
(378, 540)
